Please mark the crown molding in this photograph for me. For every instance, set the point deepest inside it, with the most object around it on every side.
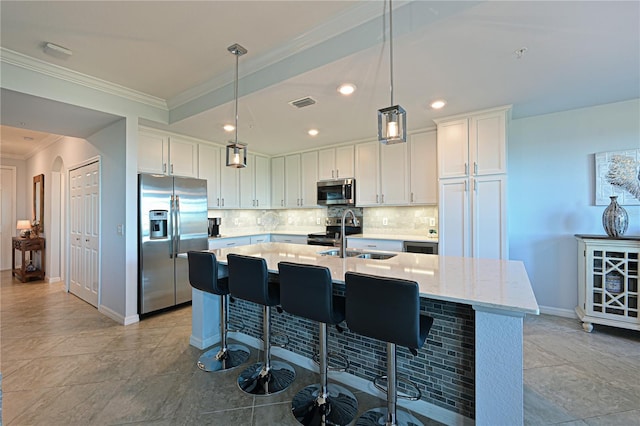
(45, 68)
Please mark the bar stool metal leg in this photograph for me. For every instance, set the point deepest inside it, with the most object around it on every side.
(389, 416)
(267, 377)
(223, 357)
(324, 403)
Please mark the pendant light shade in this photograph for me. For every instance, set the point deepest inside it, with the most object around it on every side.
(236, 151)
(392, 121)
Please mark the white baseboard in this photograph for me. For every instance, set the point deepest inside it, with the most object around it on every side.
(52, 280)
(423, 408)
(131, 319)
(203, 344)
(559, 312)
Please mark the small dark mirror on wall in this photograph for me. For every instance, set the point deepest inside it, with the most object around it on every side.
(38, 203)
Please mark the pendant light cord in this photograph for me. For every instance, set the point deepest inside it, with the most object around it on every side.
(235, 92)
(391, 49)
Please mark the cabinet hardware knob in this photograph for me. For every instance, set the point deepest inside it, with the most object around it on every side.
(475, 168)
(466, 169)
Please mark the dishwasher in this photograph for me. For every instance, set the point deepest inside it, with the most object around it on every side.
(425, 247)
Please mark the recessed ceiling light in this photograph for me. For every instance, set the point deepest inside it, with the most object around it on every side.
(27, 138)
(313, 132)
(438, 104)
(346, 89)
(228, 127)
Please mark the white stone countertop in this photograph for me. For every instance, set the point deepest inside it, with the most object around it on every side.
(486, 283)
(299, 232)
(396, 237)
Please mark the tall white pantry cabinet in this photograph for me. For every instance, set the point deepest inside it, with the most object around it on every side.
(472, 179)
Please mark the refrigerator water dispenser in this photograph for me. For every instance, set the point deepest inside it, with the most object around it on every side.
(158, 224)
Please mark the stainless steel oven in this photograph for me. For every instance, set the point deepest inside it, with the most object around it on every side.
(337, 192)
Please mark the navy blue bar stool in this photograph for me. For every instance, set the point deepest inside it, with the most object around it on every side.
(249, 280)
(203, 275)
(307, 291)
(387, 309)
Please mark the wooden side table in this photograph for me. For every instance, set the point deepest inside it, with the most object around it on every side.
(31, 245)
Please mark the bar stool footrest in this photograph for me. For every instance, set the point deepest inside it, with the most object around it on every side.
(339, 361)
(380, 383)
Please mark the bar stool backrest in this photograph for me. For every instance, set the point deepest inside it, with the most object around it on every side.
(203, 273)
(386, 309)
(249, 280)
(307, 291)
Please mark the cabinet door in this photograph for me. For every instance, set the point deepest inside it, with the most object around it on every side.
(394, 182)
(453, 217)
(209, 169)
(309, 179)
(487, 144)
(262, 182)
(153, 153)
(489, 223)
(423, 179)
(183, 157)
(453, 148)
(344, 162)
(229, 185)
(247, 183)
(374, 244)
(292, 181)
(327, 164)
(277, 182)
(218, 243)
(367, 174)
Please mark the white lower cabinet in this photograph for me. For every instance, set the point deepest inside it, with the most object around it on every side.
(257, 239)
(218, 243)
(608, 281)
(291, 239)
(472, 217)
(374, 244)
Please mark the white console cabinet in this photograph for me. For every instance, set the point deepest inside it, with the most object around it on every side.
(608, 281)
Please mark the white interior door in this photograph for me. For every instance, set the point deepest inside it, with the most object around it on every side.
(7, 215)
(84, 230)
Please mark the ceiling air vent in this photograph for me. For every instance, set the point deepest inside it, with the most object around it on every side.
(303, 102)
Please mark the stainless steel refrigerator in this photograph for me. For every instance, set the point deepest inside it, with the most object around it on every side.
(172, 219)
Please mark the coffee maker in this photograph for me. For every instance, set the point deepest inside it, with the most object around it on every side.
(214, 226)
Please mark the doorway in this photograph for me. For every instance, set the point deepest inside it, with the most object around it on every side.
(7, 214)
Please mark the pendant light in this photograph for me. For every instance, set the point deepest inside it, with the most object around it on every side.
(236, 151)
(392, 121)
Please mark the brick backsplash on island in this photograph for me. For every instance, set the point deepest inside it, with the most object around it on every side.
(399, 220)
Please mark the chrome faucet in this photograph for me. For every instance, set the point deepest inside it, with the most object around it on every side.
(343, 244)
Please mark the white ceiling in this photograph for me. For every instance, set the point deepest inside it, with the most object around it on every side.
(579, 53)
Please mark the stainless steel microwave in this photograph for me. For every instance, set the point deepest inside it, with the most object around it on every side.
(337, 192)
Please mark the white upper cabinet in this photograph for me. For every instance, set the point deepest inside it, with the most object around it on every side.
(169, 155)
(277, 182)
(309, 179)
(381, 174)
(292, 193)
(229, 184)
(423, 179)
(255, 183)
(334, 163)
(473, 145)
(209, 169)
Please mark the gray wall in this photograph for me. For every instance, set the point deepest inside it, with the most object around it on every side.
(551, 191)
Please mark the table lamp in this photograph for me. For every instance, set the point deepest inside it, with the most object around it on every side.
(24, 226)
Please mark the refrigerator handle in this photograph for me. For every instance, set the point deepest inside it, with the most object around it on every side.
(177, 226)
(171, 227)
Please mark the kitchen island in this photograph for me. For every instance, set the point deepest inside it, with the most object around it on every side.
(471, 364)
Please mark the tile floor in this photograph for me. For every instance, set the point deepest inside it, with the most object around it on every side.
(63, 363)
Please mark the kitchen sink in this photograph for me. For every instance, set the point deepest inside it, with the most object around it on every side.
(377, 256)
(336, 253)
(359, 254)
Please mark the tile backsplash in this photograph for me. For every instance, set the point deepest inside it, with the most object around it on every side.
(379, 220)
